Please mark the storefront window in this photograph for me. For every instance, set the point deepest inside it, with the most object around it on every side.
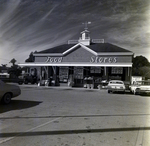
(63, 74)
(78, 72)
(95, 70)
(117, 70)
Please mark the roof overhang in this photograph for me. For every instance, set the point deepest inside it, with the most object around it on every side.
(115, 53)
(86, 48)
(78, 64)
(48, 54)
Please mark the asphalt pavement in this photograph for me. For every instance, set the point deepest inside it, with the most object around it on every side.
(65, 116)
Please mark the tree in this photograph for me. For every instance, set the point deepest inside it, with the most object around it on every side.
(3, 68)
(30, 58)
(13, 61)
(141, 66)
(140, 61)
(4, 65)
(145, 72)
(15, 71)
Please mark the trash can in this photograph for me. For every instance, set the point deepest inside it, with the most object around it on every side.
(85, 82)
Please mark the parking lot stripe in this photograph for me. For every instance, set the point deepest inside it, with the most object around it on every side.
(140, 134)
(10, 138)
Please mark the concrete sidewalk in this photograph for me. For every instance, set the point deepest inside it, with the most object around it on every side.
(66, 88)
(57, 87)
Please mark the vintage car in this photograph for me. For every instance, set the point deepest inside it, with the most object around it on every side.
(5, 77)
(116, 86)
(140, 87)
(8, 91)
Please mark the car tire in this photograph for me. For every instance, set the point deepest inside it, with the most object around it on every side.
(20, 83)
(109, 91)
(6, 98)
(25, 82)
(32, 82)
(135, 93)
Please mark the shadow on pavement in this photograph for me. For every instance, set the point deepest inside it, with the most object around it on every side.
(74, 116)
(18, 104)
(79, 131)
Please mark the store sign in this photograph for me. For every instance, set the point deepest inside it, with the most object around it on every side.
(96, 59)
(54, 59)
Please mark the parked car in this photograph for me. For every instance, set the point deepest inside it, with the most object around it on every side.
(134, 88)
(116, 86)
(140, 87)
(12, 80)
(8, 91)
(5, 77)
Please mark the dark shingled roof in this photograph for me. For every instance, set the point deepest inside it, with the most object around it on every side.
(97, 47)
(58, 49)
(106, 47)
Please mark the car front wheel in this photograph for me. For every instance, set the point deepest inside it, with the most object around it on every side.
(20, 83)
(25, 82)
(7, 98)
(109, 91)
(135, 93)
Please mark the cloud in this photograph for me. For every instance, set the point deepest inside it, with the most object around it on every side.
(28, 25)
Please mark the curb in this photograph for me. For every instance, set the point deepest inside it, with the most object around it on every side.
(59, 87)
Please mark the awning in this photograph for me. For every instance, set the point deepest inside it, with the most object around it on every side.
(77, 64)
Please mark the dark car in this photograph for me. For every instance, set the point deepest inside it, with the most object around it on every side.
(30, 79)
(8, 91)
(13, 80)
(7, 79)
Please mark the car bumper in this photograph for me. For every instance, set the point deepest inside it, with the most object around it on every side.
(144, 91)
(116, 89)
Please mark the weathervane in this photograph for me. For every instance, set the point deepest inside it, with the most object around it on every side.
(86, 25)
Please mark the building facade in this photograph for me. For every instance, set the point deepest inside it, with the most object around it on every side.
(83, 58)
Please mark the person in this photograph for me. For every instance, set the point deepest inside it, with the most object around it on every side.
(48, 82)
(92, 83)
(88, 82)
(85, 82)
(70, 81)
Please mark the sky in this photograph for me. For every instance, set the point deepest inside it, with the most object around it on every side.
(35, 25)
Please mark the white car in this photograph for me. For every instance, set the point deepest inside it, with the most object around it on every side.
(8, 91)
(134, 88)
(116, 86)
(140, 87)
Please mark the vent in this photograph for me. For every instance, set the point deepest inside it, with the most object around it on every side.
(72, 41)
(97, 40)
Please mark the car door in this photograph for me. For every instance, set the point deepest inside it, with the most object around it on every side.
(3, 89)
(134, 86)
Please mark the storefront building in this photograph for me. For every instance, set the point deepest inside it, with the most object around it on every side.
(83, 58)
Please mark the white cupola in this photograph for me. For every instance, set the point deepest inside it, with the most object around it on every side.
(85, 35)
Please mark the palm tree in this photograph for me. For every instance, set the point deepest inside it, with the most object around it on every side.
(13, 61)
(4, 65)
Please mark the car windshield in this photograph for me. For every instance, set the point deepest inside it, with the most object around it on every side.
(145, 83)
(142, 83)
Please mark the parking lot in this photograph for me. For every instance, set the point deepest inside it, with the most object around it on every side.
(63, 116)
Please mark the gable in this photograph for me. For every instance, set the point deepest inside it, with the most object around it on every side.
(78, 54)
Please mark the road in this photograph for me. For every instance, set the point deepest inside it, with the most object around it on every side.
(55, 116)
